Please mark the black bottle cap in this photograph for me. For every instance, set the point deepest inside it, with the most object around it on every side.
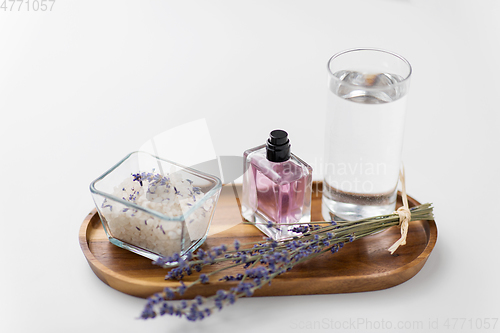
(278, 146)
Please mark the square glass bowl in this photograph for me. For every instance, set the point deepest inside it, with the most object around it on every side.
(154, 207)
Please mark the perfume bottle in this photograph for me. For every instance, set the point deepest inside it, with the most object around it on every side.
(276, 187)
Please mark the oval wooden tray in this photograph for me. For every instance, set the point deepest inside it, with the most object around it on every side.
(363, 265)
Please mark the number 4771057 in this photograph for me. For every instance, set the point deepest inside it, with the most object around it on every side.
(27, 5)
(470, 323)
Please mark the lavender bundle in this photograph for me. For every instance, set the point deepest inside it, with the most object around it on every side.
(259, 262)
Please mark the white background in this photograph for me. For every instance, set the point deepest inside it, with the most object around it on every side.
(90, 81)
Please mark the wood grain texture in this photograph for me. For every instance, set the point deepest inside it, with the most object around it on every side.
(363, 265)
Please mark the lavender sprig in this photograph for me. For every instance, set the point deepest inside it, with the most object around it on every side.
(260, 262)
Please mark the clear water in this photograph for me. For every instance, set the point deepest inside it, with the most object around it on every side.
(365, 125)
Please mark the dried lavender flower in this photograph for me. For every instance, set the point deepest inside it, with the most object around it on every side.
(260, 263)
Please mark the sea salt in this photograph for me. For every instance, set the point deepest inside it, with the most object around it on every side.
(170, 195)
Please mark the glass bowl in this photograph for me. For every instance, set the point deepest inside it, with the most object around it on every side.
(154, 207)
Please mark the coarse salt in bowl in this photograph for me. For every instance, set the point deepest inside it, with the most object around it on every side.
(154, 207)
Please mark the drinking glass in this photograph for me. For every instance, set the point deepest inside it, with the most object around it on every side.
(366, 106)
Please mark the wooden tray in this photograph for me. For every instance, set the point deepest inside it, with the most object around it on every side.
(363, 265)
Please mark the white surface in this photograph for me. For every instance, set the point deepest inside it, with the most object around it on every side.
(85, 84)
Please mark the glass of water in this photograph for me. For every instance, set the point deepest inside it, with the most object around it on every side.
(367, 92)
